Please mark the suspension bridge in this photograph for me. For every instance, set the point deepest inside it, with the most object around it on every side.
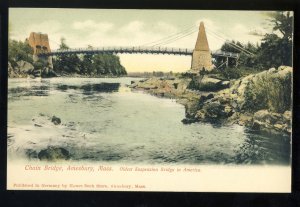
(135, 50)
(201, 54)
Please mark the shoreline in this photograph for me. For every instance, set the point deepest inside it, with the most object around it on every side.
(226, 106)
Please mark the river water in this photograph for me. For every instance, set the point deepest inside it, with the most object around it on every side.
(103, 120)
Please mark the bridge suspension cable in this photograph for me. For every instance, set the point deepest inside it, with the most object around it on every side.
(176, 38)
(229, 43)
(233, 45)
(172, 36)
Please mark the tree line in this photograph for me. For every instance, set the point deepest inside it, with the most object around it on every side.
(87, 64)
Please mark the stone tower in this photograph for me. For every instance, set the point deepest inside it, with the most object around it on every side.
(201, 54)
(40, 44)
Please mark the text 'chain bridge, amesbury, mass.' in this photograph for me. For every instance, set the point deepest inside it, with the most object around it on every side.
(201, 55)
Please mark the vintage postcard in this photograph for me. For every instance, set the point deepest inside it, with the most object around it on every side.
(149, 100)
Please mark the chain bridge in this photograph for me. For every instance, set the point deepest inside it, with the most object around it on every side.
(201, 54)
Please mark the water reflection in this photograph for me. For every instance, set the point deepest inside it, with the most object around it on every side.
(89, 89)
(42, 90)
(255, 149)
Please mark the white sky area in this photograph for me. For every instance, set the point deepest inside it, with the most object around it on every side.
(99, 27)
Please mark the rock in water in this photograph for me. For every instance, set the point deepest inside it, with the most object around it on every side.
(54, 153)
(55, 120)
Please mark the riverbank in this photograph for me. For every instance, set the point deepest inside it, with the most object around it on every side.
(259, 101)
(24, 69)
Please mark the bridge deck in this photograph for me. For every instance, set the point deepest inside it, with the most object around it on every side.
(136, 50)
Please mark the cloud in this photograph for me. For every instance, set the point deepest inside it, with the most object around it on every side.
(45, 27)
(243, 34)
(92, 25)
(49, 27)
(165, 28)
(258, 31)
(132, 27)
(134, 33)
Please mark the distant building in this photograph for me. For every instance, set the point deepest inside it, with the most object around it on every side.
(201, 58)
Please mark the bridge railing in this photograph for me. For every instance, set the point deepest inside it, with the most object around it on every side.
(134, 49)
(137, 49)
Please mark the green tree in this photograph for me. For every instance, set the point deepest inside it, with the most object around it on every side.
(276, 48)
(63, 45)
(283, 22)
(18, 50)
(69, 63)
(88, 64)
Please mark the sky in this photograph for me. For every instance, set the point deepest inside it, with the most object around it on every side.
(116, 27)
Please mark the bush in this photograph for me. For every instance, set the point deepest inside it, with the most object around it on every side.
(230, 73)
(269, 92)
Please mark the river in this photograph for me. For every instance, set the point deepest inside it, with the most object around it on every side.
(103, 120)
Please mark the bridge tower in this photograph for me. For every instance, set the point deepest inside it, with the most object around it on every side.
(40, 44)
(201, 54)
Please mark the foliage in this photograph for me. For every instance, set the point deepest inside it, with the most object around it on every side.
(269, 92)
(88, 64)
(231, 73)
(274, 51)
(276, 48)
(18, 50)
(283, 22)
(235, 72)
(245, 60)
(63, 45)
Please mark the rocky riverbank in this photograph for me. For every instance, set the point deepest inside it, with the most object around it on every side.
(24, 69)
(259, 101)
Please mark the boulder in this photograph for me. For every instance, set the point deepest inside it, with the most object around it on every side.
(284, 71)
(55, 120)
(245, 120)
(207, 80)
(272, 70)
(214, 110)
(285, 68)
(280, 127)
(204, 97)
(24, 67)
(225, 84)
(206, 83)
(287, 116)
(200, 115)
(54, 153)
(11, 71)
(267, 117)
